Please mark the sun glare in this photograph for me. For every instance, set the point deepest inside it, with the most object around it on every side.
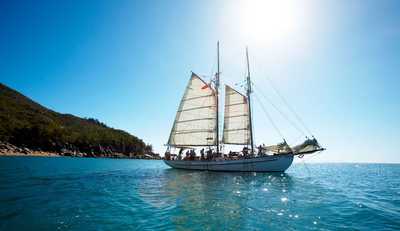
(268, 20)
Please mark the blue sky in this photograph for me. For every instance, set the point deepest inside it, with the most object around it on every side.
(127, 63)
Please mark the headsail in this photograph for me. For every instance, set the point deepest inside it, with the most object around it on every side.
(308, 146)
(279, 148)
(236, 118)
(196, 120)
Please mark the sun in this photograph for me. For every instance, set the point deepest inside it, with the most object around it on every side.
(268, 20)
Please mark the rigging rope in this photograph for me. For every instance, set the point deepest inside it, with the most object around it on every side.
(269, 117)
(288, 106)
(305, 165)
(311, 157)
(282, 114)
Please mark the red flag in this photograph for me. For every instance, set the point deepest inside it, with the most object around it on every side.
(204, 87)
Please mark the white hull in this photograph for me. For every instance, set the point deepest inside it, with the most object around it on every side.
(276, 163)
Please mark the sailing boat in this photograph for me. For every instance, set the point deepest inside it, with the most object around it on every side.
(196, 125)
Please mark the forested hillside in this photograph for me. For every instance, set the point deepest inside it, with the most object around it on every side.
(25, 123)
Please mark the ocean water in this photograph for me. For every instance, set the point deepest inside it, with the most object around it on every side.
(110, 194)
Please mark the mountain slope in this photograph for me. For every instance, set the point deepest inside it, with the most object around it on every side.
(26, 123)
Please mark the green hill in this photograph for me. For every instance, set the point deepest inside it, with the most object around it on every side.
(26, 123)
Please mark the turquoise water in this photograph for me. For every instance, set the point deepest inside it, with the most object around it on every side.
(109, 194)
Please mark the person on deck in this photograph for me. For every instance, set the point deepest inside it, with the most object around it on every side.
(245, 151)
(180, 154)
(209, 154)
(192, 154)
(167, 155)
(202, 154)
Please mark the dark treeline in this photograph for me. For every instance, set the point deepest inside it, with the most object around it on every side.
(25, 123)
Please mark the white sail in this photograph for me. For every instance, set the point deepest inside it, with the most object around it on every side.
(236, 118)
(196, 120)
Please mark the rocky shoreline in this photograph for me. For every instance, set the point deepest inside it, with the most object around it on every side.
(7, 149)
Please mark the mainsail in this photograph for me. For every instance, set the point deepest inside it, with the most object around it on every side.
(236, 118)
(196, 120)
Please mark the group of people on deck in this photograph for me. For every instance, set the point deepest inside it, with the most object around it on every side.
(210, 154)
(191, 154)
(308, 146)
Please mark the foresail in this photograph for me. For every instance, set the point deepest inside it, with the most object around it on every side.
(195, 121)
(236, 118)
(308, 146)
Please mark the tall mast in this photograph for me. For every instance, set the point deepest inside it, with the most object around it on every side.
(216, 92)
(249, 99)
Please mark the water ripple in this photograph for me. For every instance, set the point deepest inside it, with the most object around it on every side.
(101, 194)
